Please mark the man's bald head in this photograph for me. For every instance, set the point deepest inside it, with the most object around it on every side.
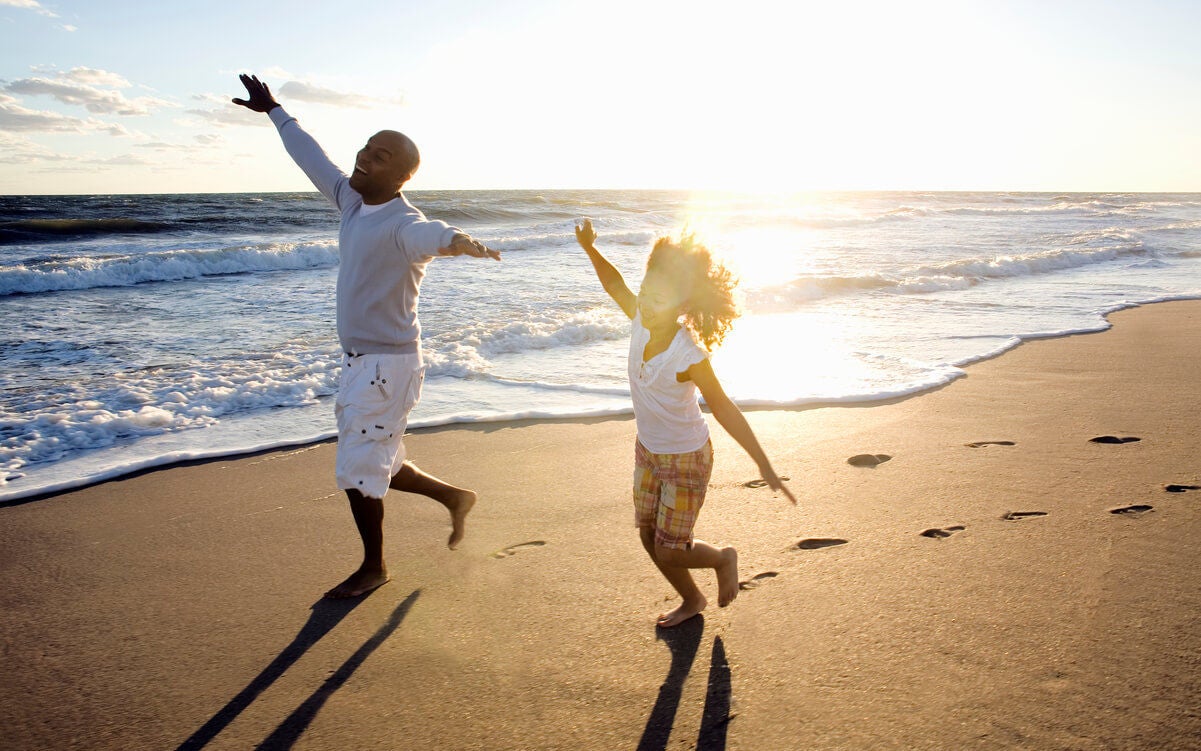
(384, 165)
(404, 152)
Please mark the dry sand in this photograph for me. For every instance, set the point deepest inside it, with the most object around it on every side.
(178, 609)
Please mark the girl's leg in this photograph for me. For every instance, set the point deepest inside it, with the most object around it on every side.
(680, 580)
(724, 561)
(692, 601)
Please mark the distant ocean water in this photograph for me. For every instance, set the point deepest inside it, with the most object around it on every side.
(140, 330)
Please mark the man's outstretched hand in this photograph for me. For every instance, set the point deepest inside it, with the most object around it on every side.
(465, 245)
(260, 96)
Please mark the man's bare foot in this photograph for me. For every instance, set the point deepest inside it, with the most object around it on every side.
(727, 577)
(459, 505)
(359, 583)
(685, 611)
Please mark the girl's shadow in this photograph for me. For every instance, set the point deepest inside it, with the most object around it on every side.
(683, 641)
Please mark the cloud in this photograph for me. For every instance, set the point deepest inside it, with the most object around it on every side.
(124, 160)
(310, 92)
(17, 119)
(52, 163)
(68, 90)
(201, 142)
(229, 115)
(307, 92)
(113, 129)
(29, 5)
(95, 77)
(16, 149)
(224, 113)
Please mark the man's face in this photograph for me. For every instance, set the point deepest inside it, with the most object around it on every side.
(380, 166)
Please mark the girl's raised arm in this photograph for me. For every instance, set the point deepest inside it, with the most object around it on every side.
(731, 418)
(610, 278)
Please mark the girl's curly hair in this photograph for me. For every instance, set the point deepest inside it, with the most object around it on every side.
(708, 286)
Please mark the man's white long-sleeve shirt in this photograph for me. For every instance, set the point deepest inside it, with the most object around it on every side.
(384, 251)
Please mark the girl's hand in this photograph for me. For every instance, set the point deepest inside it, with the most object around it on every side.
(775, 483)
(585, 235)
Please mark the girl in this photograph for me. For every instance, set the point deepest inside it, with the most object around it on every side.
(673, 456)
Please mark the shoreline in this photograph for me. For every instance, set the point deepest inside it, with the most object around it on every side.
(202, 456)
(999, 581)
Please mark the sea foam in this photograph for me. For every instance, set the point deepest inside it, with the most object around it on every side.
(55, 274)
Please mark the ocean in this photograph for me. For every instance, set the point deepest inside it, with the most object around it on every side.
(142, 330)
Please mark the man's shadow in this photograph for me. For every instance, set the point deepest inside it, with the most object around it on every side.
(325, 615)
(683, 641)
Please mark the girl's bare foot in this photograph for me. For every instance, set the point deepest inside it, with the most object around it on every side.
(359, 583)
(727, 577)
(686, 610)
(459, 505)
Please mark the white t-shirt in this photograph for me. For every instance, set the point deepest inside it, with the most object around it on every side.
(666, 411)
(383, 251)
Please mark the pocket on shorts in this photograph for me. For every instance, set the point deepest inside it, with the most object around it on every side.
(379, 383)
(692, 472)
(668, 493)
(379, 379)
(415, 384)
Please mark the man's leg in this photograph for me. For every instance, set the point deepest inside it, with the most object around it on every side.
(457, 500)
(369, 518)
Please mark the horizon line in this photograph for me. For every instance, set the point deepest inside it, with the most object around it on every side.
(743, 191)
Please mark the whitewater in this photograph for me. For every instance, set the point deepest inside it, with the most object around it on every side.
(143, 330)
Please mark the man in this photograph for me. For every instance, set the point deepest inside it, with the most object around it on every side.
(385, 244)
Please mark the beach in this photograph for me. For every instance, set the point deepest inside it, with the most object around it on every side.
(1039, 595)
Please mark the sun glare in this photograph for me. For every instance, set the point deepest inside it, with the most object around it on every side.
(767, 357)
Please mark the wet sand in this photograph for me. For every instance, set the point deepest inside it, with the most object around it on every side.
(1038, 590)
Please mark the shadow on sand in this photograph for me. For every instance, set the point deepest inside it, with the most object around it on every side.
(683, 641)
(326, 614)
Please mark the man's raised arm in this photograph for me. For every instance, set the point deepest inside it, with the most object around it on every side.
(305, 151)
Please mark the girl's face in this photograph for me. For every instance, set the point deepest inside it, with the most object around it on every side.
(660, 301)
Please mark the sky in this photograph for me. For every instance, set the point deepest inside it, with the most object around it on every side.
(116, 96)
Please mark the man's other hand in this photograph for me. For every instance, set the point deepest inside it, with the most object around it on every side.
(463, 245)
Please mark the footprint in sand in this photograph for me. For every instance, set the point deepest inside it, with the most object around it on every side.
(938, 533)
(1012, 516)
(817, 543)
(1140, 508)
(757, 579)
(868, 460)
(982, 444)
(1114, 439)
(761, 483)
(1173, 488)
(512, 549)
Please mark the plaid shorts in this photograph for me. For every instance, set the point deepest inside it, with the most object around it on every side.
(669, 490)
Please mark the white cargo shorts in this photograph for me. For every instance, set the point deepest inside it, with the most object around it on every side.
(375, 395)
